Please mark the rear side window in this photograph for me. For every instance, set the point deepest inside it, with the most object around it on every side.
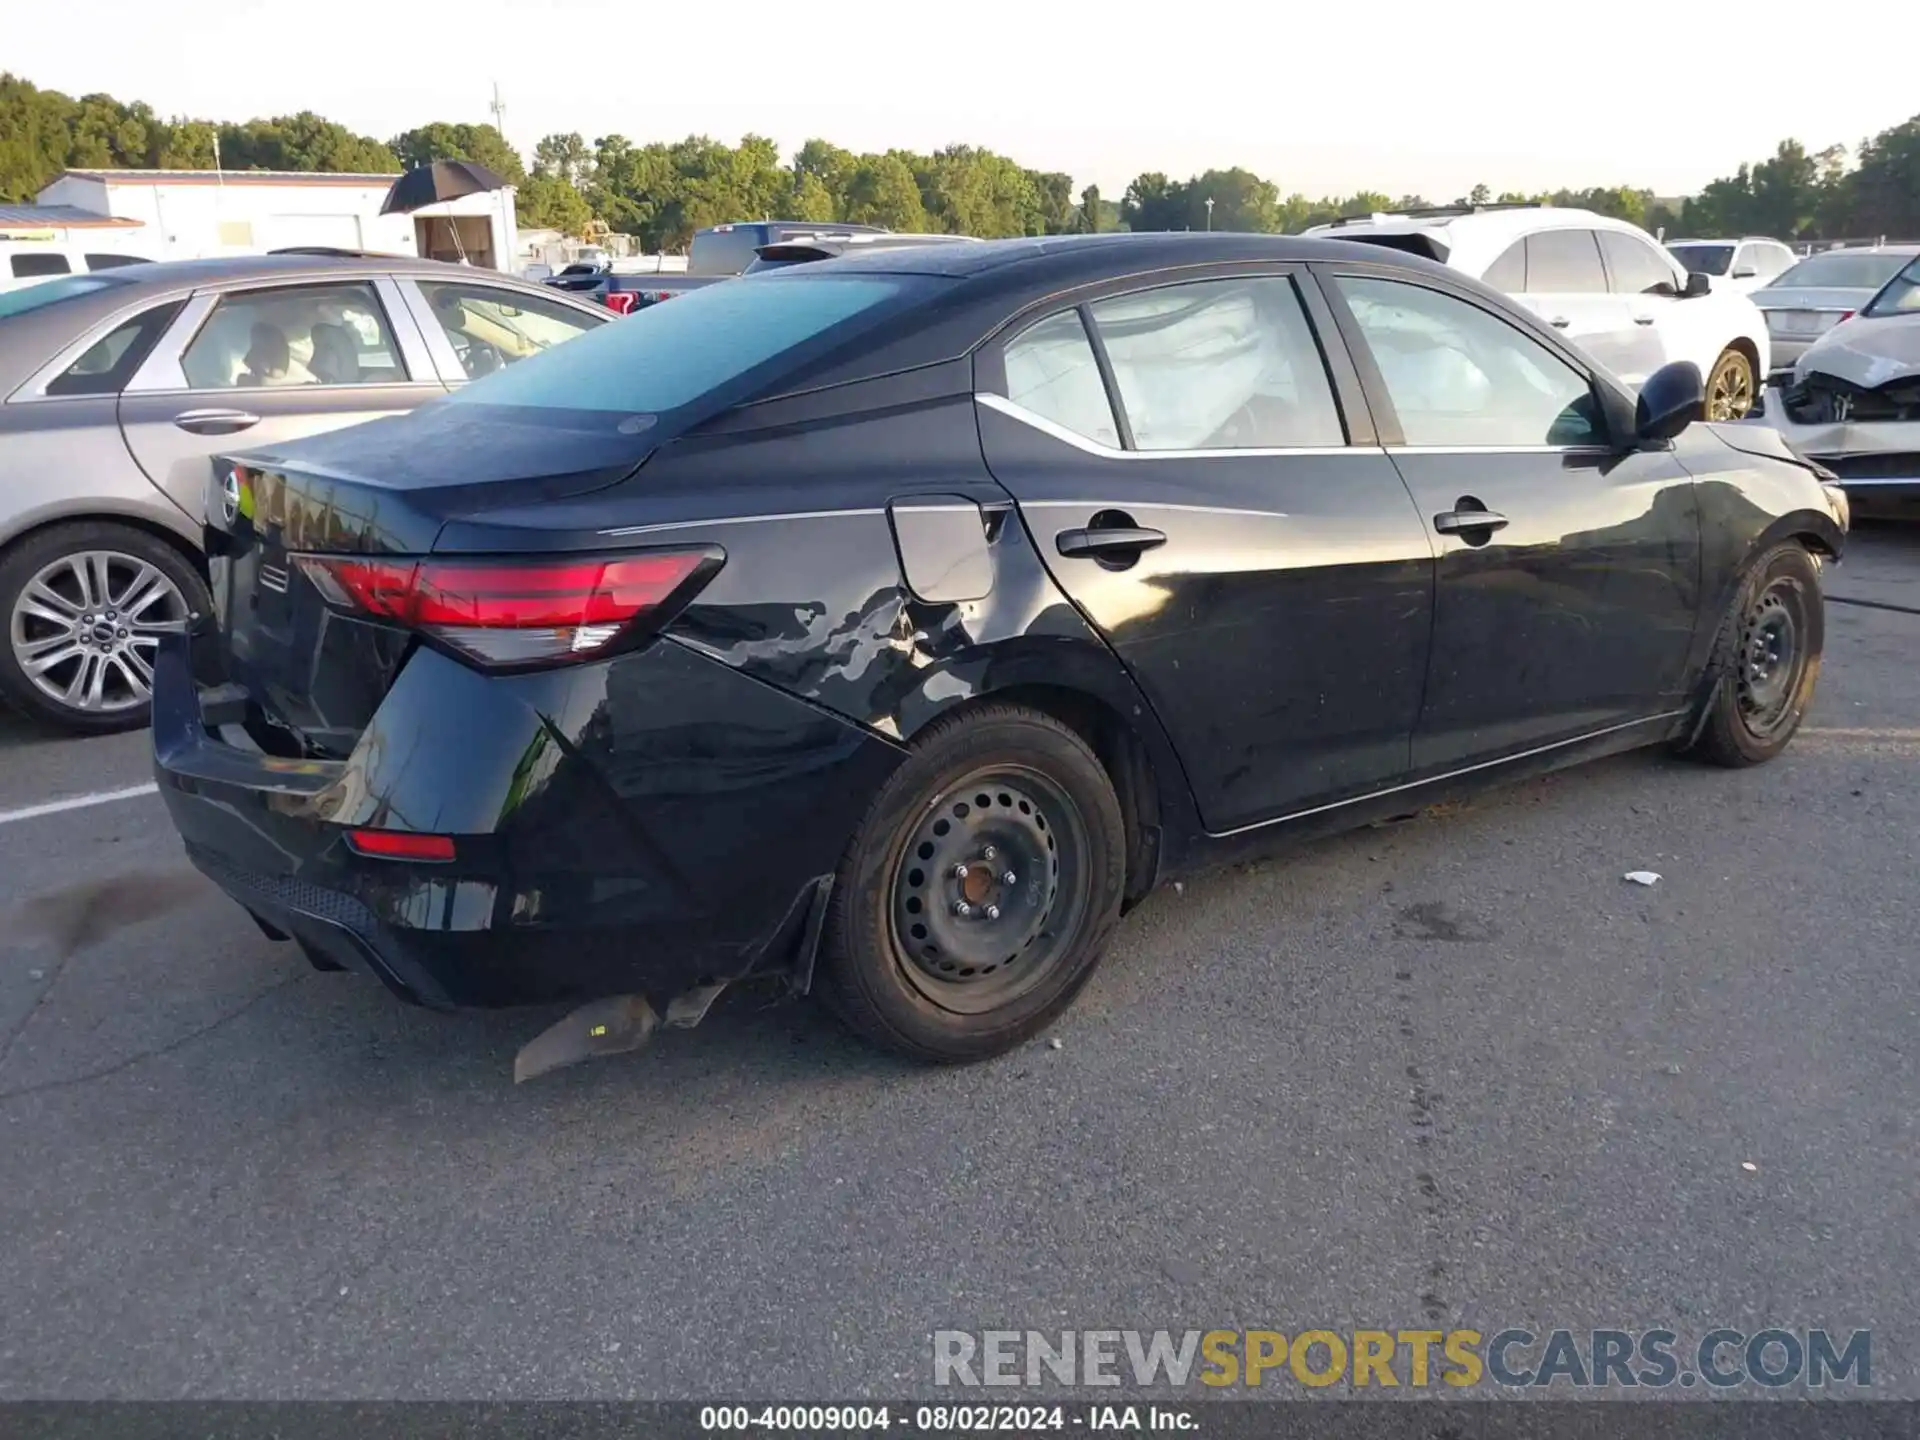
(38, 264)
(1564, 262)
(294, 335)
(667, 356)
(1219, 365)
(1508, 274)
(1051, 371)
(111, 360)
(1635, 267)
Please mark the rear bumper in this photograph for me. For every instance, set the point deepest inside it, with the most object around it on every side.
(642, 826)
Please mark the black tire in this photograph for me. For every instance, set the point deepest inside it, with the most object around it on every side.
(1759, 693)
(29, 558)
(1051, 822)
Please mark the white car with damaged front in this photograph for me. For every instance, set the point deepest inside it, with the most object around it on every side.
(1605, 284)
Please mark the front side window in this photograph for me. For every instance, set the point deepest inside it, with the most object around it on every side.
(1564, 262)
(111, 360)
(1052, 372)
(1635, 267)
(1219, 365)
(294, 336)
(1459, 376)
(490, 328)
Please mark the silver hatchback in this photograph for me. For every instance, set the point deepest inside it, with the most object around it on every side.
(118, 388)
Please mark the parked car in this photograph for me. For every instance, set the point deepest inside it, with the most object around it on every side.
(117, 387)
(1601, 282)
(1744, 264)
(805, 249)
(887, 626)
(28, 262)
(1819, 292)
(1853, 404)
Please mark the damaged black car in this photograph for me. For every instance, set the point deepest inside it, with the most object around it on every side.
(884, 628)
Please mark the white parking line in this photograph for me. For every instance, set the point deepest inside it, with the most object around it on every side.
(78, 802)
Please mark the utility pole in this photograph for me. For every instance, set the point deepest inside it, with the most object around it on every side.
(503, 260)
(1209, 212)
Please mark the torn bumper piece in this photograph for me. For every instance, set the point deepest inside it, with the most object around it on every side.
(1868, 438)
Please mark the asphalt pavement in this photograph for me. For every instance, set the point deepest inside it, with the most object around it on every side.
(1452, 1071)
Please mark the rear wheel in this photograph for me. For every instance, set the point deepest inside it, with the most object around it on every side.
(1730, 388)
(1767, 661)
(976, 898)
(86, 604)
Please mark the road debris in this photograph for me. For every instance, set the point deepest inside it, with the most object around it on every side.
(1642, 877)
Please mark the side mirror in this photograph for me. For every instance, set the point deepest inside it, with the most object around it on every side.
(1697, 284)
(1745, 272)
(1672, 399)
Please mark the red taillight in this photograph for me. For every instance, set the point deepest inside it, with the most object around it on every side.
(621, 302)
(400, 845)
(514, 612)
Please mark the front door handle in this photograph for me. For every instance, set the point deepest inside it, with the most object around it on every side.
(1643, 319)
(1465, 522)
(1111, 541)
(1558, 322)
(214, 422)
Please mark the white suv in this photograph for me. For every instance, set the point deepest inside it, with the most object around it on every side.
(1607, 284)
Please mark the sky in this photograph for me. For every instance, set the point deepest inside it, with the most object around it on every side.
(1401, 96)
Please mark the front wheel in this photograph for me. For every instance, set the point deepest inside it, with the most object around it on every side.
(1767, 661)
(1730, 387)
(976, 898)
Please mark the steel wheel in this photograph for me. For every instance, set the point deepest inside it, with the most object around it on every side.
(1771, 658)
(989, 889)
(85, 626)
(1730, 387)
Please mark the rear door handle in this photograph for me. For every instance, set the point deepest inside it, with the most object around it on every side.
(1108, 540)
(1457, 522)
(1559, 322)
(1643, 319)
(214, 422)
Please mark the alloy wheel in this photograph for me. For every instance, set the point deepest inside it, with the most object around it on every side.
(85, 628)
(989, 889)
(1730, 394)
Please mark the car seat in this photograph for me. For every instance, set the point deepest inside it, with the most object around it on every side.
(268, 357)
(335, 359)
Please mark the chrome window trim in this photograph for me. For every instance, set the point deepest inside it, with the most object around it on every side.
(1015, 411)
(33, 390)
(1145, 505)
(622, 531)
(1499, 450)
(160, 372)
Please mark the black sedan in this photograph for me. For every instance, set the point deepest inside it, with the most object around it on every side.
(886, 627)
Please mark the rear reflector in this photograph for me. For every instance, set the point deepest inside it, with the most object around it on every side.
(517, 612)
(400, 845)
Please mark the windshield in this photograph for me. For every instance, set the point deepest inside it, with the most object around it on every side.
(1842, 270)
(1707, 259)
(1902, 295)
(49, 292)
(667, 356)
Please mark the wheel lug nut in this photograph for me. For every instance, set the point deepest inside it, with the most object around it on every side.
(960, 872)
(123, 634)
(987, 853)
(1009, 878)
(993, 912)
(960, 907)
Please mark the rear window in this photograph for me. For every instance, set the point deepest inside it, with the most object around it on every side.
(669, 355)
(723, 252)
(51, 292)
(1841, 271)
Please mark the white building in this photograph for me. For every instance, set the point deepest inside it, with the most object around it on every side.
(189, 213)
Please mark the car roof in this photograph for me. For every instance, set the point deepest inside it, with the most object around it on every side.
(1471, 240)
(1094, 257)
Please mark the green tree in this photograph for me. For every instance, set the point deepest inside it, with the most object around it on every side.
(881, 190)
(481, 144)
(551, 202)
(306, 142)
(1153, 202)
(567, 157)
